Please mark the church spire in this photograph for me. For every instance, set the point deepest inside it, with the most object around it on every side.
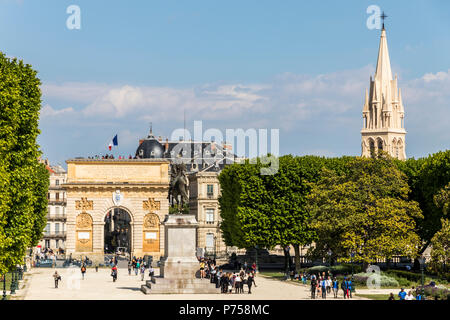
(383, 115)
(383, 72)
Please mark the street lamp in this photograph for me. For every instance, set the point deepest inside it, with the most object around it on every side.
(215, 248)
(4, 287)
(352, 255)
(422, 266)
(13, 282)
(329, 255)
(256, 259)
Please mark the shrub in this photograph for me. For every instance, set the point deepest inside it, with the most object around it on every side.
(385, 280)
(411, 276)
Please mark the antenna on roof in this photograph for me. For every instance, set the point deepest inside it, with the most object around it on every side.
(184, 124)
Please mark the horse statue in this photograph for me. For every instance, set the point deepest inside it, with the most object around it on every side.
(179, 185)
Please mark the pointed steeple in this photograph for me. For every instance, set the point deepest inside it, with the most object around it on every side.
(366, 102)
(400, 101)
(383, 125)
(383, 72)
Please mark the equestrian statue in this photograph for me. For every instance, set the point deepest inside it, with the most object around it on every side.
(179, 186)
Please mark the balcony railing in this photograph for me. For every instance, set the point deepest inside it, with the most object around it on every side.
(57, 201)
(56, 216)
(54, 234)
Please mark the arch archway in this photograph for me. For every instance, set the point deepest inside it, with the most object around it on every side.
(117, 231)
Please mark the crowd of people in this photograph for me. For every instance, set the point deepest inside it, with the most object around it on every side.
(109, 156)
(323, 285)
(411, 295)
(228, 282)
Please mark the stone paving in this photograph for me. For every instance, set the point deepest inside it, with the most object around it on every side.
(39, 285)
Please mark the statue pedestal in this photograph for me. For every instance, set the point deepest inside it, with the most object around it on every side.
(179, 248)
(179, 268)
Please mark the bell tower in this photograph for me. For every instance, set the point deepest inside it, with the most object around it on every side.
(383, 111)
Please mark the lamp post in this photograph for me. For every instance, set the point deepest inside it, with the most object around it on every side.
(256, 259)
(329, 256)
(215, 248)
(422, 265)
(13, 283)
(352, 255)
(4, 287)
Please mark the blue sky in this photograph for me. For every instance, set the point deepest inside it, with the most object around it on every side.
(299, 66)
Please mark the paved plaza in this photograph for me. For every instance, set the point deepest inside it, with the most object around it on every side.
(39, 285)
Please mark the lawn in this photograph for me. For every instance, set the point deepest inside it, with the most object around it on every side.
(374, 296)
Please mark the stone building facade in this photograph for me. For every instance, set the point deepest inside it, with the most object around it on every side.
(383, 111)
(54, 236)
(125, 198)
(204, 192)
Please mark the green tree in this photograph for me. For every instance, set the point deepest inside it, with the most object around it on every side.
(426, 177)
(365, 210)
(270, 210)
(440, 243)
(23, 212)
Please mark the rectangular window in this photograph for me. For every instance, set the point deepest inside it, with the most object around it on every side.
(210, 190)
(209, 242)
(48, 195)
(57, 211)
(56, 228)
(57, 244)
(209, 216)
(47, 243)
(47, 229)
(57, 196)
(57, 182)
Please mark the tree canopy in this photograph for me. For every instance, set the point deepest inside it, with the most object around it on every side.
(23, 180)
(364, 211)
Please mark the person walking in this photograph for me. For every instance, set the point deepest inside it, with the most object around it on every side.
(349, 288)
(335, 287)
(57, 278)
(250, 282)
(324, 288)
(142, 272)
(313, 287)
(114, 273)
(391, 296)
(138, 267)
(329, 285)
(237, 284)
(129, 268)
(402, 294)
(344, 287)
(151, 272)
(202, 269)
(83, 271)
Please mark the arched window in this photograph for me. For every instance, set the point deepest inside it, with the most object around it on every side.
(380, 145)
(372, 147)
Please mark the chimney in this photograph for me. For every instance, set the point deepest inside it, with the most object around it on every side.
(166, 146)
(140, 141)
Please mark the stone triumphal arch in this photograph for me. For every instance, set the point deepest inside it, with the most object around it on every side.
(116, 204)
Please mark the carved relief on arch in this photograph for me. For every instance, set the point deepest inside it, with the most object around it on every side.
(84, 221)
(151, 220)
(151, 233)
(83, 231)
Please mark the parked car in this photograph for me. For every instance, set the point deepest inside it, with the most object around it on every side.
(44, 263)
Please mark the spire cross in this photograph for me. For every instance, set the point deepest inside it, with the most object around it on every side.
(383, 17)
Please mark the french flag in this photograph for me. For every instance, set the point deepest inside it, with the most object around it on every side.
(113, 142)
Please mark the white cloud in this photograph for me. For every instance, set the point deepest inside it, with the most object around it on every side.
(47, 111)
